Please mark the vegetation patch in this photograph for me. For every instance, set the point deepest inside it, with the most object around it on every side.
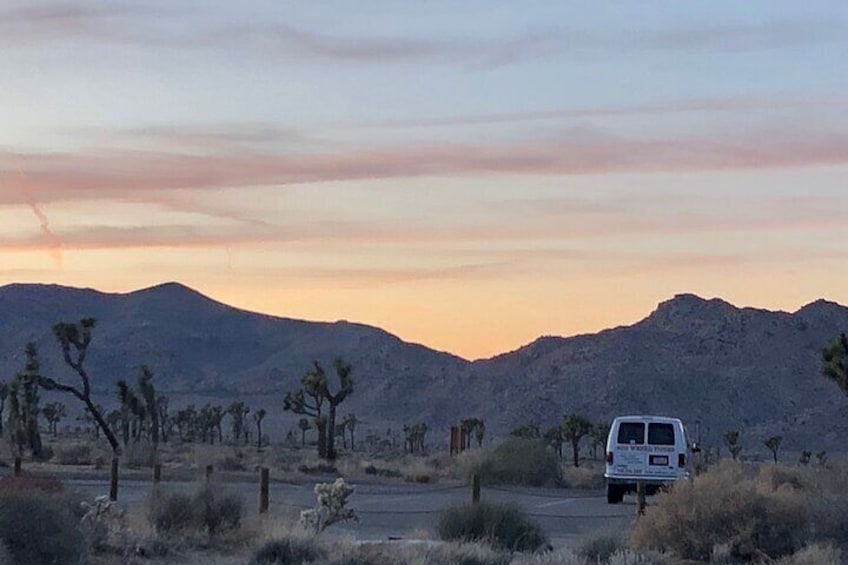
(519, 461)
(504, 525)
(774, 513)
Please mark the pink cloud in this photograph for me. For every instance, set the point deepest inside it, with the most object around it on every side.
(127, 174)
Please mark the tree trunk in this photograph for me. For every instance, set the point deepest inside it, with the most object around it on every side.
(321, 424)
(575, 447)
(331, 433)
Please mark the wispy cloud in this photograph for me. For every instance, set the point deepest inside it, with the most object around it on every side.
(54, 243)
(125, 174)
(290, 42)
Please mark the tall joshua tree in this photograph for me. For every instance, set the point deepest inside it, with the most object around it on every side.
(74, 338)
(308, 400)
(257, 417)
(24, 410)
(574, 427)
(148, 393)
(343, 371)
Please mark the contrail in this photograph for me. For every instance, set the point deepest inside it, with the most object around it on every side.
(55, 244)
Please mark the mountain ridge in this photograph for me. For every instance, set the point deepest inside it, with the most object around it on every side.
(704, 359)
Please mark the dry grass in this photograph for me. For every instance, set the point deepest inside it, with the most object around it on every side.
(728, 513)
(589, 476)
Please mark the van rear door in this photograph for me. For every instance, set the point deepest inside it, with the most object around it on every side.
(662, 456)
(630, 448)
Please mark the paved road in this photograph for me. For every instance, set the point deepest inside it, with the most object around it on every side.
(406, 510)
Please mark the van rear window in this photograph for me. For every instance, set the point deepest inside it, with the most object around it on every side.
(661, 434)
(631, 432)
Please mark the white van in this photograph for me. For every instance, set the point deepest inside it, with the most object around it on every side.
(653, 449)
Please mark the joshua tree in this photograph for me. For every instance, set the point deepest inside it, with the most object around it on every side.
(74, 340)
(350, 421)
(731, 439)
(257, 417)
(574, 427)
(527, 431)
(553, 437)
(166, 423)
(304, 426)
(309, 399)
(835, 362)
(415, 437)
(24, 398)
(148, 393)
(600, 432)
(773, 443)
(480, 432)
(238, 412)
(53, 412)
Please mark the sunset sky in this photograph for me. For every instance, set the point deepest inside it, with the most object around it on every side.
(468, 175)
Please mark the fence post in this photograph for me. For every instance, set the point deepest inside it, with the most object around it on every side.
(113, 480)
(640, 498)
(157, 473)
(209, 470)
(263, 490)
(475, 488)
(17, 466)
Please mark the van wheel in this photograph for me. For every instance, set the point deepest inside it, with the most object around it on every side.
(615, 494)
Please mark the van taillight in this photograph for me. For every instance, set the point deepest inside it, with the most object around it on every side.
(681, 459)
(609, 457)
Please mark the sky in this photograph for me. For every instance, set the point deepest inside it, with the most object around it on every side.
(469, 175)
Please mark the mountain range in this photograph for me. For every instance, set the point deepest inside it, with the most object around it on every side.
(717, 366)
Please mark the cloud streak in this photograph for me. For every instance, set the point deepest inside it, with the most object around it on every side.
(54, 243)
(289, 42)
(125, 175)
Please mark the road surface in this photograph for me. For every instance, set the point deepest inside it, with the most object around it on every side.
(402, 510)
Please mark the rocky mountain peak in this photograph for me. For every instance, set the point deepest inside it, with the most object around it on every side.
(684, 310)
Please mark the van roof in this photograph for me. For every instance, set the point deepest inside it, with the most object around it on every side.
(647, 418)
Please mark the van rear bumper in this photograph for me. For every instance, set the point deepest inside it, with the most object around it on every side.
(631, 480)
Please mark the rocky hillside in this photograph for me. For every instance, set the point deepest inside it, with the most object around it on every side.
(730, 368)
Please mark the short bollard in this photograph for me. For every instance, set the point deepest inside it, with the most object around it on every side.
(209, 470)
(475, 488)
(17, 466)
(157, 473)
(263, 490)
(640, 497)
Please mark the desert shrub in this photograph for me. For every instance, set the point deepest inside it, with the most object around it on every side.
(230, 464)
(565, 556)
(139, 454)
(814, 555)
(38, 527)
(390, 473)
(289, 550)
(586, 477)
(207, 511)
(466, 554)
(520, 461)
(723, 507)
(74, 454)
(601, 548)
(505, 525)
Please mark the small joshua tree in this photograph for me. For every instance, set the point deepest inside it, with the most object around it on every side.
(773, 443)
(574, 427)
(731, 439)
(331, 507)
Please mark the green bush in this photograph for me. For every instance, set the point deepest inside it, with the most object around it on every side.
(289, 550)
(38, 527)
(519, 461)
(206, 511)
(505, 525)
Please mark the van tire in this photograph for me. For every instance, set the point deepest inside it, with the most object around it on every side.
(615, 494)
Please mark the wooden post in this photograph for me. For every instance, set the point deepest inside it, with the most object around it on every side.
(640, 498)
(113, 480)
(263, 490)
(209, 470)
(475, 488)
(157, 473)
(17, 466)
